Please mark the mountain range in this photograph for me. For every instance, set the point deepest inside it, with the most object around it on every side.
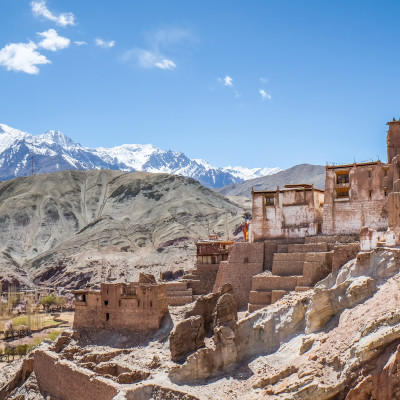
(23, 154)
(301, 173)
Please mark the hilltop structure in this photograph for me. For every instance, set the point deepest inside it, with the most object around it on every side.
(137, 306)
(299, 233)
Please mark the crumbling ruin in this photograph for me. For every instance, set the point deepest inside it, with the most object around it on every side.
(137, 306)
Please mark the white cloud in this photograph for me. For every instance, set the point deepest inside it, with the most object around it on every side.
(39, 9)
(52, 41)
(78, 43)
(264, 80)
(104, 44)
(148, 59)
(159, 43)
(165, 64)
(228, 81)
(22, 57)
(264, 94)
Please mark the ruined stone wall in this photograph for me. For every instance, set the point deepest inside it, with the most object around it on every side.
(368, 187)
(141, 310)
(62, 379)
(245, 260)
(294, 213)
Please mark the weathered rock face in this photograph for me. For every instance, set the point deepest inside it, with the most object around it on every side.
(337, 340)
(187, 336)
(208, 314)
(74, 227)
(223, 353)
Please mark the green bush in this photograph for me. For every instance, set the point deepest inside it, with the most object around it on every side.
(22, 349)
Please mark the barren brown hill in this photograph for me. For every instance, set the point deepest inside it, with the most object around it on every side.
(74, 227)
(302, 173)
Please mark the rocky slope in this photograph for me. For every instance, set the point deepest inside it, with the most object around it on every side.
(22, 153)
(337, 341)
(302, 173)
(72, 227)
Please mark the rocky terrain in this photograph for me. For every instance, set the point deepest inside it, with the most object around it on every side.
(74, 227)
(337, 341)
(302, 173)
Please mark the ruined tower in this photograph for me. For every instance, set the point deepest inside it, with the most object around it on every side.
(393, 140)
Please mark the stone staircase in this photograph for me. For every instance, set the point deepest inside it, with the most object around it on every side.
(178, 293)
(297, 267)
(192, 285)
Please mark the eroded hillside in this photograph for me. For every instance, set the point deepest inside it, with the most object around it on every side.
(73, 227)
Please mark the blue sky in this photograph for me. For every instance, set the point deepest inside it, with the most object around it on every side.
(259, 83)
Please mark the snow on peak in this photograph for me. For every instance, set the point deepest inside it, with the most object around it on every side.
(127, 157)
(55, 137)
(250, 173)
(132, 155)
(204, 163)
(9, 135)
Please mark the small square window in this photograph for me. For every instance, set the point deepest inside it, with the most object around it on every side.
(106, 302)
(269, 200)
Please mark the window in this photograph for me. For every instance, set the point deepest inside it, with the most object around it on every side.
(369, 174)
(269, 200)
(119, 303)
(385, 191)
(370, 194)
(385, 172)
(106, 302)
(342, 193)
(342, 177)
(151, 303)
(107, 316)
(84, 298)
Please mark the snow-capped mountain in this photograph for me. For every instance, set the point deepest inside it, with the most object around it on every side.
(22, 154)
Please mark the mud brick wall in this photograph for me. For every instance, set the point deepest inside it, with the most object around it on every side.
(369, 184)
(343, 253)
(294, 213)
(109, 309)
(64, 380)
(245, 260)
(316, 267)
(203, 282)
(271, 246)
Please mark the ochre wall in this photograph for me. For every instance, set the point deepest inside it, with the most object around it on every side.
(245, 260)
(64, 380)
(349, 215)
(139, 312)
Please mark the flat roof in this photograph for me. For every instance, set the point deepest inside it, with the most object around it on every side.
(292, 187)
(207, 241)
(365, 164)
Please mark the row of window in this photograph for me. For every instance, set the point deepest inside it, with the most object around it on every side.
(119, 303)
(344, 193)
(342, 178)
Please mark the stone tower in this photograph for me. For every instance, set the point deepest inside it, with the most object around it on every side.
(393, 140)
